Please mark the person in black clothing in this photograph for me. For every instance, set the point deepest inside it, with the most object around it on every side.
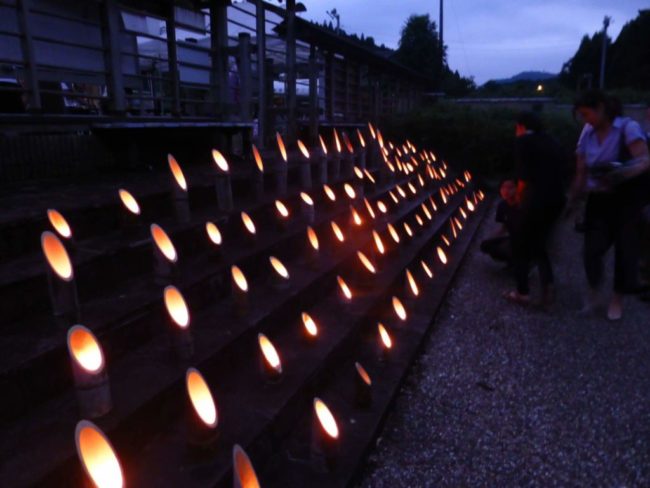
(539, 165)
(497, 246)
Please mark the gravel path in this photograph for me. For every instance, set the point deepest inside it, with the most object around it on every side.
(505, 396)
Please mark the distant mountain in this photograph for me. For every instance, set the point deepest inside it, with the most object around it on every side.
(526, 76)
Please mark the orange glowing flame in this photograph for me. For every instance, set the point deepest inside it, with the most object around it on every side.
(326, 419)
(306, 198)
(399, 308)
(433, 204)
(421, 181)
(201, 397)
(369, 176)
(419, 220)
(239, 278)
(356, 218)
(322, 144)
(84, 348)
(176, 307)
(337, 231)
(278, 267)
(337, 141)
(362, 141)
(214, 234)
(358, 172)
(220, 161)
(393, 233)
(441, 255)
(458, 224)
(97, 456)
(281, 147)
(366, 262)
(363, 374)
(412, 283)
(426, 211)
(59, 223)
(371, 212)
(347, 142)
(412, 188)
(408, 230)
(310, 326)
(345, 289)
(269, 352)
(329, 193)
(243, 469)
(470, 206)
(462, 212)
(313, 238)
(248, 223)
(378, 242)
(446, 241)
(400, 191)
(349, 191)
(282, 209)
(384, 336)
(372, 131)
(177, 172)
(303, 149)
(163, 243)
(382, 206)
(393, 197)
(56, 255)
(258, 159)
(426, 269)
(129, 201)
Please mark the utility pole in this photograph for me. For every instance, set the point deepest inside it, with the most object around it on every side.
(441, 45)
(606, 21)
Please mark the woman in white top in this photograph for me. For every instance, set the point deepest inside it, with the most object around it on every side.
(612, 167)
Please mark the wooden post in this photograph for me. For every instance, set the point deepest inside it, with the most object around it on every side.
(269, 76)
(262, 100)
(28, 56)
(219, 46)
(291, 70)
(346, 90)
(244, 51)
(111, 29)
(172, 59)
(313, 96)
(330, 86)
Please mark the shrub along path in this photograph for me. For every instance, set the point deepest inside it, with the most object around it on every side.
(507, 396)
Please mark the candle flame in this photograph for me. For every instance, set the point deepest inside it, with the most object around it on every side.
(356, 218)
(56, 255)
(322, 144)
(408, 230)
(349, 191)
(129, 201)
(269, 352)
(279, 268)
(220, 161)
(306, 198)
(84, 348)
(201, 397)
(470, 206)
(258, 159)
(362, 141)
(398, 306)
(97, 456)
(358, 172)
(462, 212)
(382, 206)
(282, 209)
(329, 193)
(366, 262)
(313, 238)
(59, 223)
(213, 233)
(393, 233)
(243, 469)
(369, 176)
(337, 231)
(426, 269)
(239, 278)
(372, 131)
(248, 223)
(309, 324)
(281, 147)
(384, 336)
(337, 141)
(441, 255)
(326, 419)
(347, 142)
(176, 306)
(414, 190)
(303, 149)
(177, 172)
(400, 191)
(345, 289)
(371, 212)
(425, 209)
(446, 241)
(419, 220)
(363, 374)
(393, 197)
(378, 242)
(163, 243)
(412, 283)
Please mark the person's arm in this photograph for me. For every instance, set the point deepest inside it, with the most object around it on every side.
(579, 180)
(639, 163)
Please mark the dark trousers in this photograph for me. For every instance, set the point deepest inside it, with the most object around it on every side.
(530, 244)
(612, 219)
(498, 248)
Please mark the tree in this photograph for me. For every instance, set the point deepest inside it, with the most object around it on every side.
(585, 62)
(629, 56)
(419, 46)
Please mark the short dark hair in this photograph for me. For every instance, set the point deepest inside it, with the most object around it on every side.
(593, 98)
(531, 121)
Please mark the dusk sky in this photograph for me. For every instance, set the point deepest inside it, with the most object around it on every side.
(489, 38)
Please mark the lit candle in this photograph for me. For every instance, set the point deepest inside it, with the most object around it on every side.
(59, 224)
(243, 472)
(248, 227)
(179, 190)
(399, 308)
(269, 359)
(280, 274)
(312, 247)
(223, 186)
(214, 238)
(60, 278)
(305, 166)
(282, 214)
(202, 416)
(129, 217)
(345, 294)
(281, 171)
(89, 372)
(239, 287)
(179, 322)
(362, 386)
(309, 326)
(325, 436)
(385, 342)
(322, 161)
(257, 175)
(97, 456)
(307, 207)
(165, 256)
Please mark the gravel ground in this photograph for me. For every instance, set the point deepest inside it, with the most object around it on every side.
(507, 396)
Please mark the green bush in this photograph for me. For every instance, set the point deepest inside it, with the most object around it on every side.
(479, 139)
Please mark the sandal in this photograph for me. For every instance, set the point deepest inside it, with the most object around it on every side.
(515, 297)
